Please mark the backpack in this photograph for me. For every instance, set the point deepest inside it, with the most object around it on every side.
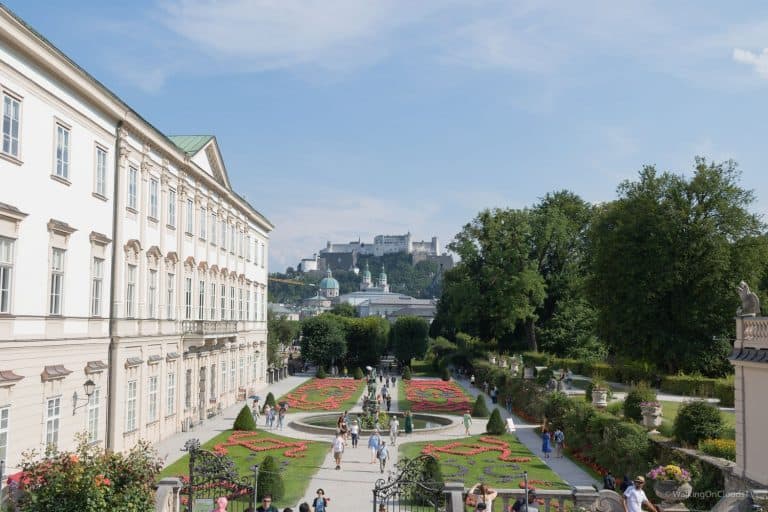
(559, 436)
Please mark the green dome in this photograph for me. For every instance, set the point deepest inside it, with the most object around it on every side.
(328, 282)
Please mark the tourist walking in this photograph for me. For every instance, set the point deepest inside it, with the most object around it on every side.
(281, 418)
(267, 408)
(383, 455)
(255, 411)
(338, 449)
(354, 431)
(635, 498)
(467, 418)
(389, 402)
(394, 426)
(271, 417)
(472, 379)
(373, 444)
(320, 503)
(546, 443)
(559, 438)
(408, 422)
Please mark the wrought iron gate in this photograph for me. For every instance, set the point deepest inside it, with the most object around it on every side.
(212, 476)
(413, 488)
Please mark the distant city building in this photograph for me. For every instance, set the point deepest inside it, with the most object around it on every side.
(308, 264)
(384, 244)
(284, 311)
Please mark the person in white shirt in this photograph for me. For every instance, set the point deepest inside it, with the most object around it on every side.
(354, 431)
(635, 498)
(338, 449)
(394, 425)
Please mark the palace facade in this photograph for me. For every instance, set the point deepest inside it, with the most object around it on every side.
(133, 278)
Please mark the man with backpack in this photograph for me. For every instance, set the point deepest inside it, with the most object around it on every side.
(559, 439)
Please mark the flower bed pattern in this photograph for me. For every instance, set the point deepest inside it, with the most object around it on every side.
(247, 440)
(323, 394)
(472, 449)
(436, 396)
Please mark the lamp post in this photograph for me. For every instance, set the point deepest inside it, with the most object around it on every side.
(89, 387)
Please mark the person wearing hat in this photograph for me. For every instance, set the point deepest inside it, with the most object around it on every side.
(635, 498)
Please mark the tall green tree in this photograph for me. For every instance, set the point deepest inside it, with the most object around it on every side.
(344, 309)
(410, 338)
(496, 285)
(666, 256)
(323, 340)
(366, 340)
(280, 331)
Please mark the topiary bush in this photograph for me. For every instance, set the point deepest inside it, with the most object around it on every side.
(495, 424)
(269, 480)
(445, 374)
(321, 372)
(480, 409)
(697, 421)
(357, 374)
(407, 373)
(269, 401)
(244, 420)
(637, 395)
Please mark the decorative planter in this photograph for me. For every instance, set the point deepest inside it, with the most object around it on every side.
(493, 359)
(651, 417)
(528, 373)
(672, 493)
(600, 398)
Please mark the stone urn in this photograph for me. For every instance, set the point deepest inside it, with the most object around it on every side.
(493, 359)
(600, 397)
(672, 493)
(651, 416)
(528, 373)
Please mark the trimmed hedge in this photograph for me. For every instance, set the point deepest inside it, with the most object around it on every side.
(495, 424)
(695, 385)
(696, 421)
(244, 420)
(637, 395)
(480, 408)
(321, 372)
(358, 373)
(269, 401)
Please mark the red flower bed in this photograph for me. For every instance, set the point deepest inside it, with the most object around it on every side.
(588, 461)
(264, 443)
(470, 449)
(323, 394)
(436, 396)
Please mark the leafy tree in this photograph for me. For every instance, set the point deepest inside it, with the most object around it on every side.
(323, 340)
(269, 481)
(409, 338)
(281, 331)
(495, 424)
(244, 420)
(344, 309)
(665, 259)
(366, 340)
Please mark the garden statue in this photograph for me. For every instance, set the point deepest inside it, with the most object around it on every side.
(750, 304)
(370, 404)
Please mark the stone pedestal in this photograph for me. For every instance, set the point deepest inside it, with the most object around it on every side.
(600, 398)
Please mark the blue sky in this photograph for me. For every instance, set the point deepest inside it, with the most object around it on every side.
(341, 119)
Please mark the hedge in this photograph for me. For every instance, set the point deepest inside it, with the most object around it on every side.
(695, 385)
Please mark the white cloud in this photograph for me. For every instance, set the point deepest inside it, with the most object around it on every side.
(758, 61)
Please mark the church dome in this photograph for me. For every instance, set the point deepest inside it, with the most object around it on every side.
(328, 282)
(367, 273)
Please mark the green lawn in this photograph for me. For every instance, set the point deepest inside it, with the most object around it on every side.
(296, 474)
(486, 466)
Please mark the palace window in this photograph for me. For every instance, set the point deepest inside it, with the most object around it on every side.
(93, 415)
(213, 228)
(133, 183)
(224, 376)
(130, 407)
(232, 303)
(62, 151)
(201, 301)
(152, 294)
(171, 207)
(232, 375)
(6, 273)
(170, 305)
(5, 418)
(190, 216)
(203, 222)
(153, 196)
(223, 288)
(188, 390)
(97, 286)
(57, 281)
(213, 301)
(52, 419)
(130, 290)
(152, 402)
(11, 120)
(170, 405)
(101, 171)
(188, 298)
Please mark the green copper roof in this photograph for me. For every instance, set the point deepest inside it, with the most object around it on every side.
(190, 144)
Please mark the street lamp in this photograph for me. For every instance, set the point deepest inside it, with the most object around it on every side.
(89, 387)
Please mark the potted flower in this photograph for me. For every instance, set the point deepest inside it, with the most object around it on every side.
(599, 393)
(671, 484)
(651, 414)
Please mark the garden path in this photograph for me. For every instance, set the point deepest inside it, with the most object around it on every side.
(567, 469)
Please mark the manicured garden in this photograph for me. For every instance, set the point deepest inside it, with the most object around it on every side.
(432, 395)
(330, 394)
(498, 461)
(297, 459)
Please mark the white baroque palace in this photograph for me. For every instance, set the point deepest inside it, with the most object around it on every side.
(127, 263)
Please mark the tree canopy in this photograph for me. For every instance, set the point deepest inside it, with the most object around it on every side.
(410, 337)
(323, 340)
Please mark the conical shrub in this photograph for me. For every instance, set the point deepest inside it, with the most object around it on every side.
(269, 480)
(407, 373)
(269, 401)
(358, 374)
(480, 409)
(244, 420)
(495, 424)
(321, 373)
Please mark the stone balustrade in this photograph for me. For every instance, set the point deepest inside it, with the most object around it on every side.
(547, 500)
